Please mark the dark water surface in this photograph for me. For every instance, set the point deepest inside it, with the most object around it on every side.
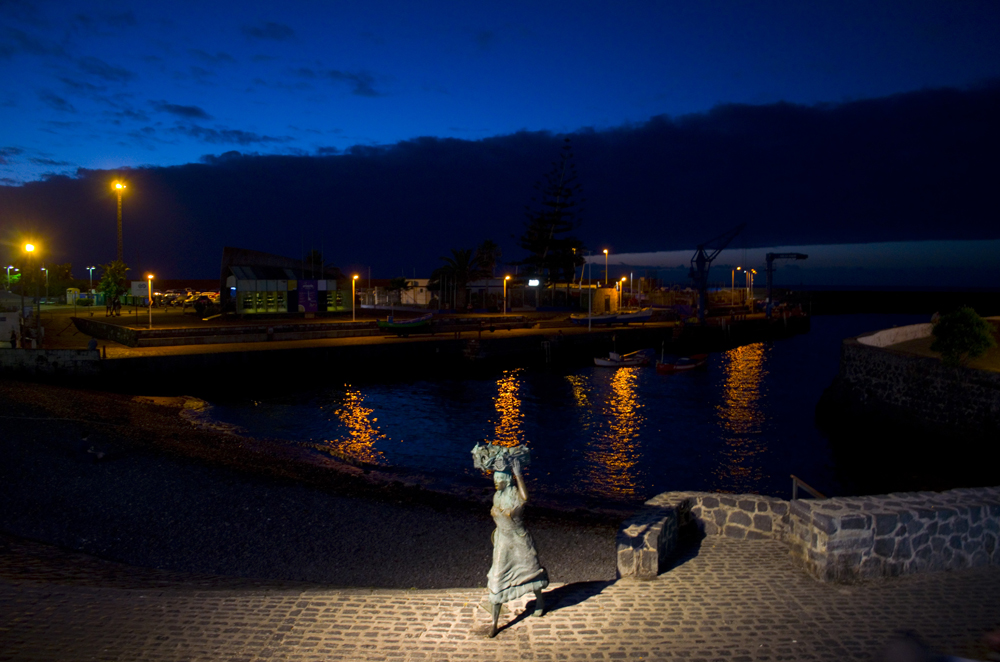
(743, 425)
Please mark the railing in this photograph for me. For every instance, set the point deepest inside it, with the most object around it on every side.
(798, 482)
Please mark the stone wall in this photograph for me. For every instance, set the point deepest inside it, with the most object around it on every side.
(32, 363)
(917, 388)
(842, 539)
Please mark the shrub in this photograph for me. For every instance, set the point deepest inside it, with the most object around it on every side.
(962, 335)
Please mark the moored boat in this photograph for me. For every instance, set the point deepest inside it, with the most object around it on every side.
(616, 360)
(422, 324)
(634, 315)
(682, 364)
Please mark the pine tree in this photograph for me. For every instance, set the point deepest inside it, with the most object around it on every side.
(554, 254)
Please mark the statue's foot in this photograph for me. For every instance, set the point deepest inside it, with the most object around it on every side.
(493, 632)
(539, 604)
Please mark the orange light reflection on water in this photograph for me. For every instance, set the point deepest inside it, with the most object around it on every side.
(362, 433)
(742, 418)
(611, 457)
(508, 429)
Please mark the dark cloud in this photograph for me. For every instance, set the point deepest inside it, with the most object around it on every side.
(99, 23)
(56, 102)
(227, 136)
(917, 166)
(49, 162)
(218, 58)
(6, 152)
(269, 30)
(14, 42)
(81, 86)
(361, 82)
(187, 112)
(97, 67)
(128, 114)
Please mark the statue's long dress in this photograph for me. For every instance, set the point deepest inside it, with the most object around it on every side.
(515, 570)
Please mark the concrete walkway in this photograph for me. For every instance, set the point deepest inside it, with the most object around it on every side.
(723, 600)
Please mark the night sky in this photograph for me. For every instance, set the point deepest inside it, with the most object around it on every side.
(386, 134)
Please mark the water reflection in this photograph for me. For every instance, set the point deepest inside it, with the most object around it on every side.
(362, 435)
(742, 418)
(612, 454)
(509, 427)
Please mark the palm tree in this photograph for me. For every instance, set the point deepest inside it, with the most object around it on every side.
(457, 272)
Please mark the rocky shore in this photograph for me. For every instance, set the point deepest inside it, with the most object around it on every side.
(129, 479)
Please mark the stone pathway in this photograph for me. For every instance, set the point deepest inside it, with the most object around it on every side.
(723, 600)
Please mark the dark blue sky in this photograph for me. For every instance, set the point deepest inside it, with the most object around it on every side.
(389, 133)
(103, 85)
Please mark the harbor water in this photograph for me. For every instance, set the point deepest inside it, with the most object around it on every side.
(743, 424)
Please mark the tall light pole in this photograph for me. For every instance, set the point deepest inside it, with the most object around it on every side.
(46, 284)
(91, 270)
(9, 267)
(149, 280)
(119, 187)
(28, 248)
(732, 286)
(606, 265)
(354, 317)
(505, 279)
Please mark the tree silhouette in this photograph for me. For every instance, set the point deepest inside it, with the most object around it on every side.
(457, 271)
(553, 254)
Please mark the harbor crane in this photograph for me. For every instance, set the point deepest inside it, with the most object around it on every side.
(771, 257)
(702, 261)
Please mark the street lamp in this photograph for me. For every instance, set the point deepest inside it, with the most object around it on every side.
(28, 248)
(46, 284)
(732, 286)
(505, 279)
(751, 273)
(149, 280)
(605, 265)
(9, 267)
(354, 317)
(91, 270)
(119, 187)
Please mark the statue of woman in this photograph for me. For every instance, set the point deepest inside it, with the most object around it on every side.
(515, 570)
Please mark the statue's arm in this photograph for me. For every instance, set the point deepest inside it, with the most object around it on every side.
(521, 487)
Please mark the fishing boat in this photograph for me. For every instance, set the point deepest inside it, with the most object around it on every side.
(682, 364)
(583, 319)
(404, 328)
(634, 315)
(616, 360)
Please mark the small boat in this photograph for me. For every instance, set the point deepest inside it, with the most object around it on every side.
(634, 315)
(583, 319)
(682, 364)
(421, 324)
(616, 360)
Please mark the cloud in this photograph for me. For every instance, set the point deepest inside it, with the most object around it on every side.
(56, 102)
(6, 152)
(269, 30)
(81, 86)
(218, 58)
(128, 114)
(98, 23)
(361, 82)
(187, 112)
(226, 136)
(14, 42)
(49, 162)
(97, 67)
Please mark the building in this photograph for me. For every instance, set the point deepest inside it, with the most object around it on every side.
(252, 282)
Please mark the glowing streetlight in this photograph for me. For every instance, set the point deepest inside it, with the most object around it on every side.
(505, 279)
(354, 317)
(119, 187)
(149, 280)
(605, 265)
(732, 286)
(46, 284)
(28, 248)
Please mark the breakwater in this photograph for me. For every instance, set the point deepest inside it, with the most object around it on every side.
(842, 539)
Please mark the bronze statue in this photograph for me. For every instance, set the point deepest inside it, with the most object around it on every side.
(515, 570)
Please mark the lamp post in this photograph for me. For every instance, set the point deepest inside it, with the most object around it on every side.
(149, 281)
(119, 187)
(732, 286)
(91, 270)
(354, 317)
(605, 265)
(28, 248)
(46, 284)
(9, 267)
(751, 273)
(505, 279)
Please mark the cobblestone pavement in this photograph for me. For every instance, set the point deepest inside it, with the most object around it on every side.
(722, 600)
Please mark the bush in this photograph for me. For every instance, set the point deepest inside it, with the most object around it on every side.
(85, 302)
(962, 335)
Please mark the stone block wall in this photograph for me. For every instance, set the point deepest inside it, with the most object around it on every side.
(852, 538)
(842, 539)
(32, 363)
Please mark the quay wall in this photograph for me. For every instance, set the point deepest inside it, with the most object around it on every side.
(875, 378)
(34, 363)
(842, 539)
